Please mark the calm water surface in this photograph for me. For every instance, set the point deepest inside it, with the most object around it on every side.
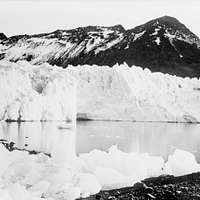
(154, 138)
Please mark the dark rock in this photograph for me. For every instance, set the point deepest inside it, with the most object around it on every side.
(3, 36)
(140, 186)
(162, 188)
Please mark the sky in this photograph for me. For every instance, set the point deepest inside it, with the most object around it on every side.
(39, 16)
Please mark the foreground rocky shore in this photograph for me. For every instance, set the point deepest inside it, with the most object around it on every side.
(160, 188)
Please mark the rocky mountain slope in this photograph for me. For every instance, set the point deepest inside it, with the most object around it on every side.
(162, 44)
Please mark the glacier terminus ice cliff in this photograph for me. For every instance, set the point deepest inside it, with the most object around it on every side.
(45, 92)
(38, 93)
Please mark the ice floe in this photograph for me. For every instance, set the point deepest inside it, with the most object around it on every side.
(34, 177)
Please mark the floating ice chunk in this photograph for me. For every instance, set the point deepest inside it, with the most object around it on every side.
(65, 126)
(135, 166)
(93, 159)
(17, 192)
(182, 162)
(72, 193)
(4, 194)
(110, 178)
(154, 165)
(30, 177)
(39, 188)
(167, 169)
(7, 158)
(88, 183)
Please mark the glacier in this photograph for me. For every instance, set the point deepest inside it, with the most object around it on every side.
(31, 92)
(135, 94)
(45, 92)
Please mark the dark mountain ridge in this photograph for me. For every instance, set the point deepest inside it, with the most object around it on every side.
(163, 44)
(3, 36)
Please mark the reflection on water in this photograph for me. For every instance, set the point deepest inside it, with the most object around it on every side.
(44, 137)
(154, 138)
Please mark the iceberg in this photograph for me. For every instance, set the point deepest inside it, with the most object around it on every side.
(31, 92)
(181, 163)
(36, 177)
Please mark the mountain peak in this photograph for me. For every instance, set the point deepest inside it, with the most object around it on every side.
(171, 23)
(167, 19)
(165, 22)
(118, 27)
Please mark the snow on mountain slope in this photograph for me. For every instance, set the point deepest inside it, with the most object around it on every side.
(61, 44)
(36, 92)
(162, 45)
(124, 93)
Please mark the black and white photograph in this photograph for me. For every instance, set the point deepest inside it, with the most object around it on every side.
(99, 100)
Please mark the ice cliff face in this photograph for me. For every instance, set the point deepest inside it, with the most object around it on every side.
(124, 93)
(163, 45)
(47, 92)
(36, 92)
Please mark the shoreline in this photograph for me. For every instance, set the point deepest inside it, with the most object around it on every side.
(99, 120)
(186, 187)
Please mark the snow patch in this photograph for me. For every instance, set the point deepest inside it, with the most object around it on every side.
(109, 44)
(92, 43)
(181, 36)
(157, 40)
(138, 35)
(156, 32)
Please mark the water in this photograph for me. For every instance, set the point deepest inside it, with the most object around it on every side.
(155, 138)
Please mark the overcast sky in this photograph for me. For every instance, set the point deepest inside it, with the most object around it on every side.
(35, 16)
